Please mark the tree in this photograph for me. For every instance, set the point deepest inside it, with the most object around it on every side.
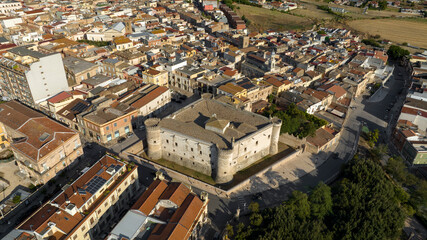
(382, 5)
(396, 52)
(373, 137)
(229, 229)
(365, 205)
(254, 207)
(256, 219)
(321, 201)
(270, 98)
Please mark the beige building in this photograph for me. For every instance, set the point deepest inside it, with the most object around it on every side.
(172, 210)
(158, 77)
(186, 78)
(42, 147)
(78, 70)
(85, 208)
(213, 138)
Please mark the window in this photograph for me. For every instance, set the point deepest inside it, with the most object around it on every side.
(109, 137)
(126, 119)
(61, 155)
(115, 124)
(63, 163)
(256, 142)
(83, 228)
(167, 141)
(116, 134)
(191, 149)
(201, 152)
(126, 129)
(176, 144)
(107, 128)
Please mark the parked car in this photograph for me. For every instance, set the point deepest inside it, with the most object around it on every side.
(121, 139)
(129, 134)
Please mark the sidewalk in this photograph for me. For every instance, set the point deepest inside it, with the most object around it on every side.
(286, 173)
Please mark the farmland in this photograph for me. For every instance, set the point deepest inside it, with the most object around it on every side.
(390, 25)
(264, 19)
(398, 31)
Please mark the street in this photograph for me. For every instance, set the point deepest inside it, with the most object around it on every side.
(375, 114)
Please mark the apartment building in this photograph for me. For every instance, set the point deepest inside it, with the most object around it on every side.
(31, 76)
(9, 6)
(85, 208)
(153, 76)
(164, 211)
(42, 147)
(185, 78)
(148, 99)
(107, 122)
(78, 70)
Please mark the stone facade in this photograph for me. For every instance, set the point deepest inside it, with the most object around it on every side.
(205, 153)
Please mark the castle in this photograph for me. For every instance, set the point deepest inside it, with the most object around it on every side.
(213, 138)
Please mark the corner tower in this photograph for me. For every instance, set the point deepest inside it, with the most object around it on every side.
(275, 135)
(154, 149)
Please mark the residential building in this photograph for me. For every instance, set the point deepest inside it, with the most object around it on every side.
(185, 78)
(6, 7)
(31, 76)
(153, 76)
(106, 121)
(148, 99)
(164, 211)
(84, 209)
(78, 70)
(42, 146)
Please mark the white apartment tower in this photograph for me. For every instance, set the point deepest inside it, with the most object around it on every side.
(30, 76)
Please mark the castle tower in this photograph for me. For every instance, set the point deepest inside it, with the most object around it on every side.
(274, 145)
(154, 149)
(224, 172)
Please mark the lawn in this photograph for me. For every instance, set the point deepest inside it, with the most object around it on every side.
(189, 172)
(264, 19)
(412, 31)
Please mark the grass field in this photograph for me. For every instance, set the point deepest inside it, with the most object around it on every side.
(411, 31)
(264, 19)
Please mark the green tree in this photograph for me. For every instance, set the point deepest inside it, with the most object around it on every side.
(256, 219)
(365, 205)
(254, 207)
(382, 5)
(321, 201)
(373, 137)
(229, 229)
(396, 52)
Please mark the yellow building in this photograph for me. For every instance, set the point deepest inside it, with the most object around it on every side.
(154, 76)
(4, 143)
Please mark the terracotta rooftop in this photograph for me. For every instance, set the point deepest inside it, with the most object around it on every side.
(76, 195)
(42, 134)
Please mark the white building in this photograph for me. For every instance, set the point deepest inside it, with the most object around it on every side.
(31, 76)
(9, 6)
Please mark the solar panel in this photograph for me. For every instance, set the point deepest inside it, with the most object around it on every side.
(116, 167)
(100, 171)
(95, 184)
(79, 107)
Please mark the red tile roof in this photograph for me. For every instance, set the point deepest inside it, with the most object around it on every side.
(149, 97)
(59, 97)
